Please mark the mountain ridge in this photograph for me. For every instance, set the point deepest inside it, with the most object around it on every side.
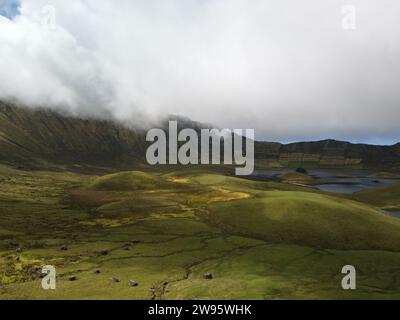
(35, 138)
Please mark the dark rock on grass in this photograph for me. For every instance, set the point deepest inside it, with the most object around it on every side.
(115, 280)
(208, 276)
(36, 270)
(133, 283)
(64, 248)
(72, 278)
(302, 170)
(97, 271)
(18, 250)
(104, 252)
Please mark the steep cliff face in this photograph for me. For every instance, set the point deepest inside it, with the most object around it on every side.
(35, 137)
(42, 138)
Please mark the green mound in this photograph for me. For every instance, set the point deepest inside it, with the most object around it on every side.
(296, 177)
(218, 179)
(385, 197)
(384, 175)
(309, 219)
(127, 181)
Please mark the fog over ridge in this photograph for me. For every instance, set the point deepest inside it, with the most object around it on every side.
(283, 67)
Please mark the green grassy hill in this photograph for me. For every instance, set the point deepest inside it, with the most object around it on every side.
(300, 178)
(127, 181)
(309, 219)
(387, 197)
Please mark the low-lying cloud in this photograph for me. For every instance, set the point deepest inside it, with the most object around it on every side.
(286, 68)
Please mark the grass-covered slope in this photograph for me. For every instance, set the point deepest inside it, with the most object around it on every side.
(309, 219)
(299, 178)
(39, 137)
(387, 197)
(127, 181)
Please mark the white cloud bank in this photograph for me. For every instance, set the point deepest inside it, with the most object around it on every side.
(283, 67)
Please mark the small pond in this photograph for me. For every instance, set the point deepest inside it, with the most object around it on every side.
(336, 180)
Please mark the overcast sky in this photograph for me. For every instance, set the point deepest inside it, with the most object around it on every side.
(286, 68)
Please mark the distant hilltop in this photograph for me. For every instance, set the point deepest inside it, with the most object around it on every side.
(42, 138)
(330, 153)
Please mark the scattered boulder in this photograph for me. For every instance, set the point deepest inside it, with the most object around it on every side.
(133, 283)
(64, 248)
(207, 276)
(72, 278)
(18, 250)
(104, 252)
(115, 280)
(36, 270)
(97, 271)
(302, 170)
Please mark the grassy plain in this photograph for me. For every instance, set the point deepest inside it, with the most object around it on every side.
(166, 229)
